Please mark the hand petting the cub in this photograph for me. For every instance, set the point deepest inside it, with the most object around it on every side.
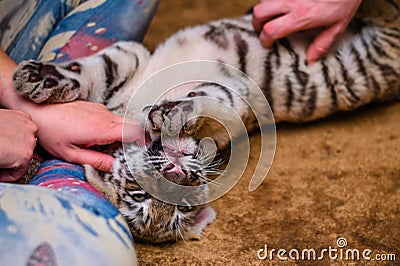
(275, 19)
(76, 126)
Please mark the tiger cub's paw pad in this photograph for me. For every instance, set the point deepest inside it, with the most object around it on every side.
(41, 83)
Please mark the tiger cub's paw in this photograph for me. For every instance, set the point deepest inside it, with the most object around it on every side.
(175, 117)
(43, 83)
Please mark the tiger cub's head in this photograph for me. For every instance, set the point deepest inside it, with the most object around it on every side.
(142, 174)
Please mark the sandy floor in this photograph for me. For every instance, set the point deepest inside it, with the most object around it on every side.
(339, 177)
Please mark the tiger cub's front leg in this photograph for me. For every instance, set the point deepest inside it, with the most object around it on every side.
(207, 110)
(95, 78)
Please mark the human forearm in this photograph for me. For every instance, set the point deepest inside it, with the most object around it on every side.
(7, 67)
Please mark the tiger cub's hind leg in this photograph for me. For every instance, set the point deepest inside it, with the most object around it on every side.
(94, 78)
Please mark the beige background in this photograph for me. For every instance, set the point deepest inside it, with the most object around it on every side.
(338, 177)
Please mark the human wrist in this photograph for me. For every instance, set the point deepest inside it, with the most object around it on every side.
(11, 100)
(9, 97)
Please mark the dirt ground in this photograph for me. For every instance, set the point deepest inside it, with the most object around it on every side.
(330, 179)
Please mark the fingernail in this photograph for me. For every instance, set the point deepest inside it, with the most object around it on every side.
(311, 59)
(310, 62)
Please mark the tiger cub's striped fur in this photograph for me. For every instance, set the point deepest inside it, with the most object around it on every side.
(362, 67)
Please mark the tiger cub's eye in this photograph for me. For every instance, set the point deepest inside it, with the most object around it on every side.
(139, 195)
(184, 207)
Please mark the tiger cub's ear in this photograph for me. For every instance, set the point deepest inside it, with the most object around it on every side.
(108, 189)
(203, 218)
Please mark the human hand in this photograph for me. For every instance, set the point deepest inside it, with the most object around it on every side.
(68, 130)
(276, 19)
(17, 142)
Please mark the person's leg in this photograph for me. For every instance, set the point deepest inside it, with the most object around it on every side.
(69, 179)
(41, 226)
(95, 25)
(25, 25)
(68, 30)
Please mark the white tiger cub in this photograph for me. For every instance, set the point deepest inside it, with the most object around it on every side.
(364, 66)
